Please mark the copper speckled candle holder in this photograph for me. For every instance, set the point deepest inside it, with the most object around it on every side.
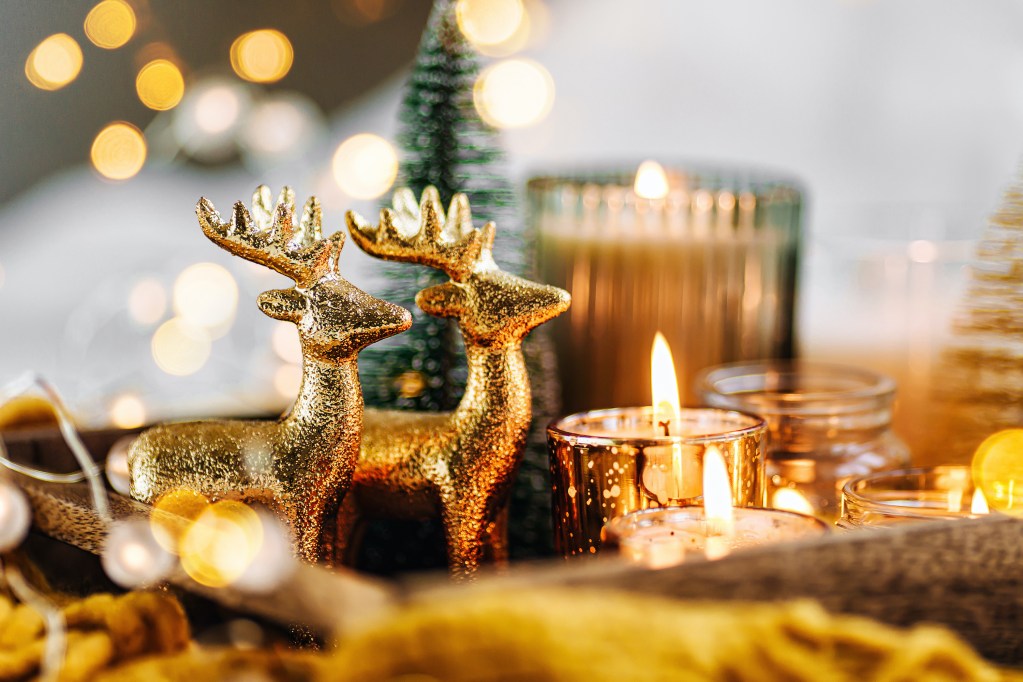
(608, 463)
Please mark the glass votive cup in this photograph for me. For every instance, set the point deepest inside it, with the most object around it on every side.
(826, 422)
(891, 498)
(608, 463)
(658, 538)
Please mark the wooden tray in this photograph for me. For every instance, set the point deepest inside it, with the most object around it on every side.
(965, 575)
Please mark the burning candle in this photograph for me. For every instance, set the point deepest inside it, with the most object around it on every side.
(911, 495)
(607, 463)
(658, 538)
(670, 250)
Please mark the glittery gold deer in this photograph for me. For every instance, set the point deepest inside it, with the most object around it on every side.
(302, 464)
(460, 465)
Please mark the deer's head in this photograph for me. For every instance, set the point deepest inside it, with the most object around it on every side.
(335, 319)
(492, 307)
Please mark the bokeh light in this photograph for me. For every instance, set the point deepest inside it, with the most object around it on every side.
(132, 557)
(263, 56)
(54, 62)
(116, 465)
(160, 85)
(217, 110)
(119, 151)
(489, 22)
(272, 561)
(209, 119)
(173, 512)
(998, 470)
(651, 181)
(790, 499)
(288, 380)
(922, 251)
(147, 301)
(365, 166)
(110, 24)
(285, 342)
(514, 93)
(206, 295)
(364, 12)
(127, 412)
(15, 516)
(220, 545)
(180, 348)
(281, 125)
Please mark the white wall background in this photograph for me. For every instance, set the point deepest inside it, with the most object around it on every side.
(870, 103)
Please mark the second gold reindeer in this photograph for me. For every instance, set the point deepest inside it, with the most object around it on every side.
(459, 466)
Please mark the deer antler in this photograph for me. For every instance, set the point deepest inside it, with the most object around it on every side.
(269, 235)
(422, 234)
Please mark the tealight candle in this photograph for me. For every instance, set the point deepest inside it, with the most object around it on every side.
(902, 496)
(608, 463)
(658, 538)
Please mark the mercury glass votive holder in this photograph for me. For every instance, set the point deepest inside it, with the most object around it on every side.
(939, 493)
(658, 538)
(826, 422)
(608, 463)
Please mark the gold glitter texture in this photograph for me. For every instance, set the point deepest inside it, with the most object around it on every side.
(301, 465)
(460, 465)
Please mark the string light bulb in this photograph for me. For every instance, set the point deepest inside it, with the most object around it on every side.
(274, 559)
(119, 151)
(110, 24)
(263, 56)
(489, 22)
(180, 348)
(116, 465)
(15, 516)
(54, 63)
(365, 166)
(514, 93)
(133, 558)
(160, 85)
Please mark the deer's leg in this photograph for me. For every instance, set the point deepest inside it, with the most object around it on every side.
(497, 535)
(467, 531)
(310, 530)
(347, 535)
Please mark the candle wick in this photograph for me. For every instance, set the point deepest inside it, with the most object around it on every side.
(665, 424)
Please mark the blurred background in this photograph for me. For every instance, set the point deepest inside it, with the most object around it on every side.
(902, 119)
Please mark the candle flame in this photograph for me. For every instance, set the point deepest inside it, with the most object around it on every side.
(664, 386)
(717, 493)
(790, 499)
(651, 181)
(979, 503)
(958, 480)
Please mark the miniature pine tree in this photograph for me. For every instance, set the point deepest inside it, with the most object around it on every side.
(445, 143)
(982, 365)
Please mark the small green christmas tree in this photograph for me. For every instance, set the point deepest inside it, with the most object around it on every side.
(446, 144)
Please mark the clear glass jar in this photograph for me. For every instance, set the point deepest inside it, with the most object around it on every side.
(903, 496)
(826, 424)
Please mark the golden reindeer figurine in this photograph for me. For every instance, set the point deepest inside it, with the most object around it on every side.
(302, 464)
(461, 465)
